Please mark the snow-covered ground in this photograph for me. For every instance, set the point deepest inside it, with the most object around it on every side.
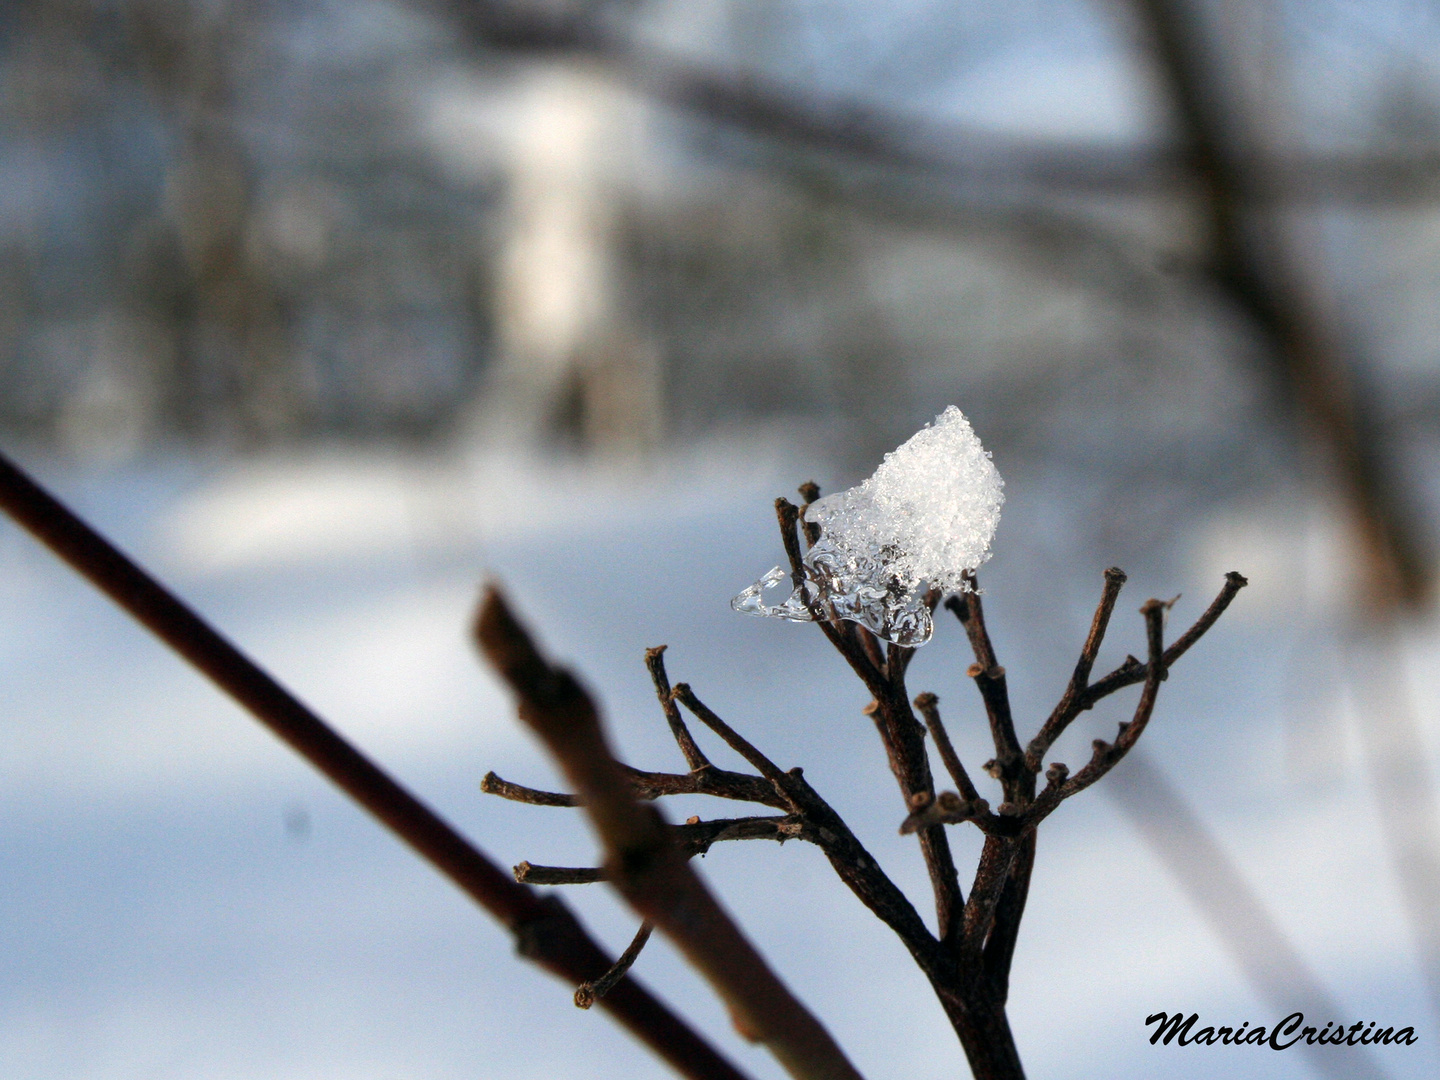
(184, 898)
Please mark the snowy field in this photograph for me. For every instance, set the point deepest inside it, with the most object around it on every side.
(184, 898)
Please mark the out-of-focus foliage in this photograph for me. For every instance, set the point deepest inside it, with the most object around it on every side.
(243, 223)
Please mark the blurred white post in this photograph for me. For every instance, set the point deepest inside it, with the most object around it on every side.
(566, 342)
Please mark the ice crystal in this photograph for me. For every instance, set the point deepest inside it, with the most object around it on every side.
(928, 514)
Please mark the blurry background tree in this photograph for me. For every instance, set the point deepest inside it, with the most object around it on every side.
(1173, 258)
(251, 224)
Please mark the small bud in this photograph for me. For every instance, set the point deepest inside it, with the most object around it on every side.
(693, 820)
(992, 768)
(920, 800)
(950, 802)
(1057, 772)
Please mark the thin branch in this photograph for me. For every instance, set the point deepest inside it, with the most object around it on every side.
(737, 742)
(695, 837)
(1066, 710)
(904, 740)
(587, 993)
(1008, 757)
(989, 678)
(837, 630)
(1106, 756)
(528, 873)
(545, 930)
(928, 704)
(721, 783)
(710, 780)
(644, 862)
(968, 608)
(1133, 671)
(948, 808)
(492, 784)
(655, 663)
(809, 491)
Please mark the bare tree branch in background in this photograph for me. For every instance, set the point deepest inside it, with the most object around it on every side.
(1258, 270)
(975, 164)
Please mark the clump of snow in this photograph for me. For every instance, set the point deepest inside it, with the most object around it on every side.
(928, 514)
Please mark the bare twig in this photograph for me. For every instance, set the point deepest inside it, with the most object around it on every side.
(491, 784)
(709, 780)
(968, 608)
(1066, 710)
(904, 740)
(1133, 671)
(948, 808)
(996, 859)
(989, 679)
(545, 930)
(695, 837)
(737, 742)
(836, 630)
(928, 704)
(530, 874)
(809, 491)
(655, 663)
(644, 862)
(999, 950)
(1106, 756)
(587, 993)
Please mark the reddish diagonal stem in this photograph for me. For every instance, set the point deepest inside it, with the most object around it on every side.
(545, 930)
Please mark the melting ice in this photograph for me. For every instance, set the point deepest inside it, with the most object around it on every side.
(927, 514)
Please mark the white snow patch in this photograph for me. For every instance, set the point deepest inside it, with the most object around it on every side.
(928, 514)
